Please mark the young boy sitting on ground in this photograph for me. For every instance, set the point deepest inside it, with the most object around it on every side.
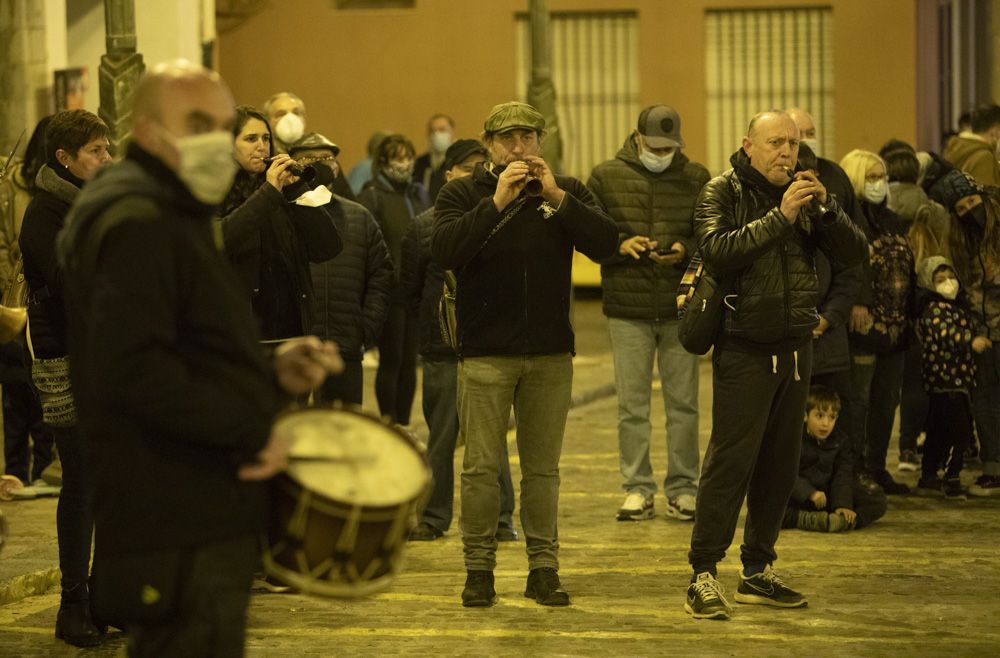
(826, 497)
(948, 339)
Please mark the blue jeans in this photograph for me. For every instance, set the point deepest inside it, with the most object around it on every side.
(876, 384)
(986, 400)
(440, 382)
(635, 343)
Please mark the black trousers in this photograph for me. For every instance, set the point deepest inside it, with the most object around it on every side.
(347, 387)
(396, 379)
(27, 445)
(210, 616)
(758, 403)
(74, 513)
(949, 429)
(869, 504)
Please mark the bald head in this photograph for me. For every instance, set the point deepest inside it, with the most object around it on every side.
(805, 122)
(772, 144)
(178, 99)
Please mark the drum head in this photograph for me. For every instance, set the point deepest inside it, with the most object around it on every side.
(353, 458)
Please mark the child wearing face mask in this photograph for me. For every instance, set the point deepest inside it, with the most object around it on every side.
(946, 330)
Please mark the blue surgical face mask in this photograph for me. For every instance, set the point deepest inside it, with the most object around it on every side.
(655, 163)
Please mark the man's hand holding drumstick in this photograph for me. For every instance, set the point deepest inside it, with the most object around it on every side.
(300, 364)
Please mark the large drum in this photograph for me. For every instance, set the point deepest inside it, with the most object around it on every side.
(341, 514)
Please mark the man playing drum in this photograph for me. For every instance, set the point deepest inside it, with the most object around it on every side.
(175, 398)
(511, 246)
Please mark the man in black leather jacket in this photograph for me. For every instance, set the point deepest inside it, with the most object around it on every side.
(758, 227)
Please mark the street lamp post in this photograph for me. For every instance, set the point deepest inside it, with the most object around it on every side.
(120, 70)
(541, 90)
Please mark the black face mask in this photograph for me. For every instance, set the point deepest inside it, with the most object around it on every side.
(978, 215)
(324, 174)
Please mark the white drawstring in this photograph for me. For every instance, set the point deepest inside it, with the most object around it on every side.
(774, 363)
(795, 354)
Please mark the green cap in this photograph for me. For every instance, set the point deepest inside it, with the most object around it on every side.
(512, 115)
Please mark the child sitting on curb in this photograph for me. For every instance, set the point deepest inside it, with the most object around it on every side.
(826, 497)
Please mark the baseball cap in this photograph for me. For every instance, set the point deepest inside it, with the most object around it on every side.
(512, 115)
(660, 126)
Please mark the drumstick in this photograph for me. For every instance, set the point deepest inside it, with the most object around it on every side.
(330, 459)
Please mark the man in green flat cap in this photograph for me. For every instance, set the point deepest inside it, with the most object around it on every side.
(508, 231)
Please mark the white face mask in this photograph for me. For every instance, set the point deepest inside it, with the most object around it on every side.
(207, 166)
(813, 145)
(289, 128)
(655, 163)
(875, 192)
(948, 288)
(440, 141)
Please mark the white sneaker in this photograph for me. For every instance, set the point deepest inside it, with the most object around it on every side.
(636, 508)
(681, 507)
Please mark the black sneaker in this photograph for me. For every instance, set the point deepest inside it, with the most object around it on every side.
(929, 486)
(765, 588)
(985, 485)
(425, 532)
(953, 489)
(890, 486)
(706, 598)
(479, 591)
(545, 588)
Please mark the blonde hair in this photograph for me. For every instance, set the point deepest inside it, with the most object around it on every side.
(856, 165)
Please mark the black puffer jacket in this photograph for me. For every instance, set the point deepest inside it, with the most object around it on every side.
(513, 293)
(271, 242)
(825, 466)
(659, 206)
(422, 281)
(352, 289)
(837, 294)
(43, 220)
(742, 235)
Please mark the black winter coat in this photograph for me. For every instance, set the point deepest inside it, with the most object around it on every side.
(394, 206)
(838, 291)
(743, 236)
(825, 466)
(513, 291)
(43, 220)
(172, 388)
(352, 289)
(422, 281)
(271, 242)
(659, 206)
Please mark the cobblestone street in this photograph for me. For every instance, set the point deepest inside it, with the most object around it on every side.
(923, 581)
